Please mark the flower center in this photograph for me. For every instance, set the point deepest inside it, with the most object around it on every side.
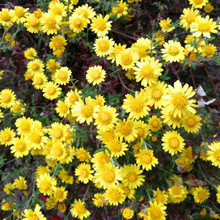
(105, 117)
(156, 93)
(140, 132)
(119, 9)
(59, 193)
(16, 107)
(78, 22)
(197, 2)
(51, 23)
(57, 133)
(132, 177)
(95, 75)
(21, 147)
(51, 90)
(25, 127)
(33, 22)
(35, 67)
(190, 18)
(155, 213)
(83, 173)
(39, 81)
(202, 196)
(155, 123)
(174, 50)
(217, 154)
(63, 108)
(36, 138)
(137, 105)
(62, 76)
(174, 143)
(104, 46)
(204, 27)
(115, 195)
(87, 111)
(126, 129)
(191, 122)
(6, 137)
(126, 59)
(108, 176)
(5, 16)
(179, 100)
(147, 72)
(177, 191)
(142, 51)
(33, 217)
(101, 25)
(146, 158)
(19, 12)
(80, 209)
(58, 151)
(6, 98)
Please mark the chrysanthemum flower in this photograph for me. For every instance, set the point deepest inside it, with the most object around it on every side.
(127, 58)
(8, 188)
(33, 22)
(30, 53)
(39, 80)
(6, 136)
(58, 151)
(46, 183)
(84, 111)
(117, 48)
(82, 155)
(146, 159)
(188, 17)
(19, 14)
(200, 194)
(129, 192)
(20, 183)
(65, 178)
(52, 65)
(95, 75)
(120, 10)
(208, 7)
(143, 130)
(84, 173)
(172, 142)
(79, 210)
(131, 176)
(198, 3)
(117, 147)
(51, 23)
(208, 50)
(192, 123)
(178, 102)
(166, 25)
(23, 125)
(57, 42)
(100, 25)
(51, 90)
(136, 106)
(6, 17)
(6, 206)
(114, 195)
(62, 108)
(35, 66)
(69, 155)
(86, 11)
(130, 74)
(30, 214)
(57, 8)
(103, 46)
(203, 27)
(7, 98)
(154, 94)
(173, 51)
(98, 199)
(77, 23)
(148, 71)
(72, 96)
(155, 123)
(214, 153)
(59, 193)
(127, 213)
(160, 196)
(62, 76)
(143, 47)
(156, 211)
(20, 147)
(177, 193)
(56, 132)
(126, 129)
(170, 120)
(99, 159)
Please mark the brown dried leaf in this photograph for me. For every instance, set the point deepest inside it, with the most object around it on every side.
(194, 182)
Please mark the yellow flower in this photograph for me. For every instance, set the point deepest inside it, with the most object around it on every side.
(114, 195)
(62, 207)
(160, 196)
(127, 130)
(208, 7)
(52, 65)
(30, 53)
(156, 211)
(155, 123)
(131, 176)
(117, 48)
(6, 206)
(33, 22)
(214, 153)
(6, 17)
(20, 183)
(105, 118)
(29, 214)
(117, 147)
(84, 111)
(103, 46)
(173, 51)
(166, 25)
(62, 108)
(58, 8)
(99, 159)
(120, 10)
(127, 213)
(7, 98)
(46, 183)
(58, 151)
(148, 71)
(178, 102)
(85, 10)
(208, 50)
(107, 175)
(82, 155)
(172, 142)
(19, 14)
(65, 178)
(143, 47)
(23, 125)
(51, 90)
(136, 106)
(84, 172)
(192, 123)
(98, 199)
(79, 210)
(198, 3)
(6, 136)
(177, 193)
(146, 159)
(203, 27)
(72, 96)
(20, 147)
(154, 94)
(95, 75)
(200, 194)
(57, 42)
(188, 17)
(8, 189)
(77, 23)
(143, 130)
(62, 76)
(127, 58)
(39, 80)
(170, 120)
(100, 25)
(51, 23)
(59, 193)
(35, 66)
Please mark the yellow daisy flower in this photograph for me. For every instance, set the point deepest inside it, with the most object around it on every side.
(200, 194)
(166, 25)
(155, 123)
(84, 173)
(59, 193)
(6, 136)
(33, 22)
(30, 53)
(36, 214)
(51, 90)
(23, 125)
(7, 98)
(117, 48)
(57, 42)
(192, 123)
(198, 3)
(86, 11)
(39, 80)
(177, 193)
(120, 10)
(103, 46)
(214, 153)
(82, 155)
(99, 159)
(77, 23)
(52, 65)
(58, 9)
(35, 66)
(62, 76)
(6, 17)
(98, 199)
(95, 75)
(117, 147)
(156, 211)
(160, 196)
(79, 210)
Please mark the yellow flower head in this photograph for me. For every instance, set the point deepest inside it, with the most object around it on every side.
(95, 75)
(79, 210)
(214, 153)
(7, 98)
(198, 3)
(166, 25)
(200, 194)
(84, 172)
(103, 46)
